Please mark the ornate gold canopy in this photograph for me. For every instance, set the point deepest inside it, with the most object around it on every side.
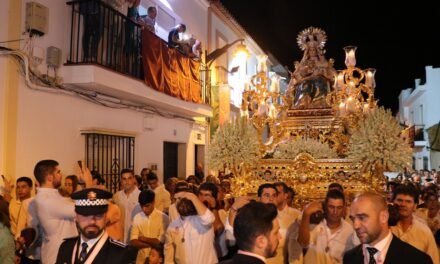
(304, 131)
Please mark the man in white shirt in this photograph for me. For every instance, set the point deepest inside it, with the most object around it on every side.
(190, 238)
(18, 207)
(369, 213)
(149, 226)
(286, 217)
(330, 237)
(127, 200)
(410, 229)
(163, 198)
(55, 213)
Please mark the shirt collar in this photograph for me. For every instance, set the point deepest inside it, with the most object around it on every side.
(247, 253)
(381, 246)
(90, 242)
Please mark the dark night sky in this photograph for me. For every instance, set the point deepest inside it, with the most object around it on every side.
(397, 40)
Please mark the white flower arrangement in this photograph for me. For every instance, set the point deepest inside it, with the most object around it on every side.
(235, 145)
(377, 143)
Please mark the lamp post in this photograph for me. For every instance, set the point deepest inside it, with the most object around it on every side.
(209, 59)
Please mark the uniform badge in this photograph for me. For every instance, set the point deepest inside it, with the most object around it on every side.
(91, 196)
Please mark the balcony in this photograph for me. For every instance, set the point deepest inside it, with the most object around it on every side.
(108, 53)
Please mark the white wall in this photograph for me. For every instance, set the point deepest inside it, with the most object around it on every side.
(49, 124)
(411, 112)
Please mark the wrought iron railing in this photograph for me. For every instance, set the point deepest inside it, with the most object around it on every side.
(108, 155)
(101, 35)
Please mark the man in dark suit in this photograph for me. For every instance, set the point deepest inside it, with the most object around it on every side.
(369, 213)
(93, 245)
(256, 230)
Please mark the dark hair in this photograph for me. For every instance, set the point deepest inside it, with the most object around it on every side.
(151, 176)
(44, 168)
(181, 186)
(183, 26)
(334, 194)
(150, 8)
(209, 186)
(292, 191)
(193, 177)
(146, 197)
(26, 180)
(252, 220)
(406, 190)
(265, 186)
(158, 248)
(138, 179)
(74, 180)
(267, 171)
(97, 176)
(127, 171)
(335, 186)
(144, 169)
(282, 184)
(393, 211)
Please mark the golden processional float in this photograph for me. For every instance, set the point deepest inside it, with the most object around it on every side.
(301, 137)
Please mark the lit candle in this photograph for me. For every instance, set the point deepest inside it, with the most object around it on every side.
(350, 58)
(272, 111)
(275, 84)
(340, 80)
(342, 108)
(366, 108)
(350, 104)
(369, 78)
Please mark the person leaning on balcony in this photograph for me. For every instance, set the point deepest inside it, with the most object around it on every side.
(173, 37)
(149, 21)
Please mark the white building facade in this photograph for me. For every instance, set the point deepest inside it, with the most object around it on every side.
(103, 111)
(419, 107)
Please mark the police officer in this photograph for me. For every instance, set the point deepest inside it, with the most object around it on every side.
(93, 244)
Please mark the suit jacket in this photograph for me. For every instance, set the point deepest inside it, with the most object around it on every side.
(242, 259)
(399, 252)
(112, 252)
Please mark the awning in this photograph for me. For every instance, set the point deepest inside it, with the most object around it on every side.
(434, 137)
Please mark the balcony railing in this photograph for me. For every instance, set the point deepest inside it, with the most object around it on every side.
(101, 35)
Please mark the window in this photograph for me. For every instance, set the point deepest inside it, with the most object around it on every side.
(108, 155)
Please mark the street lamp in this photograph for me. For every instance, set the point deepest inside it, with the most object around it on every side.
(211, 57)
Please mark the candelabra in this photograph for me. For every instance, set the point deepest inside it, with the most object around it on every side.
(265, 108)
(353, 93)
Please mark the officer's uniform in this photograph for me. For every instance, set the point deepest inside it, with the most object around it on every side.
(94, 201)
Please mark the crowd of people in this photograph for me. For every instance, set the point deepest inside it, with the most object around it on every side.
(197, 220)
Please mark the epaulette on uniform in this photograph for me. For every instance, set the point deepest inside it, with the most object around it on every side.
(117, 243)
(72, 238)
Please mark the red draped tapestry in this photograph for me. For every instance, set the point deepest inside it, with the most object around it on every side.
(169, 71)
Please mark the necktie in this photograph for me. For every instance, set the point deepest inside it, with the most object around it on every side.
(83, 254)
(371, 252)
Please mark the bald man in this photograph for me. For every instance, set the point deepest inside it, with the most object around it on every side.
(369, 213)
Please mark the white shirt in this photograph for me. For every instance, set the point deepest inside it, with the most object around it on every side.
(162, 199)
(152, 226)
(286, 217)
(129, 205)
(419, 236)
(55, 214)
(328, 247)
(191, 240)
(382, 249)
(173, 213)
